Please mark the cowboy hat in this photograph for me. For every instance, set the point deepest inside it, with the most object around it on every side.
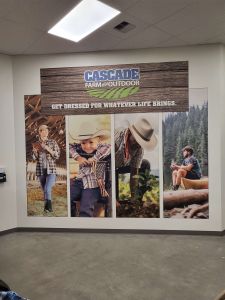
(89, 130)
(144, 134)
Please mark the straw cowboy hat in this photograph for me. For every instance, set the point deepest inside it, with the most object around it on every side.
(89, 130)
(144, 134)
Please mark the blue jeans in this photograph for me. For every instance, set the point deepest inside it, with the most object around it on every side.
(47, 182)
(9, 295)
(87, 198)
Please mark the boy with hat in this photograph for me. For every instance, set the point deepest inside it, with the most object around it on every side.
(88, 187)
(189, 168)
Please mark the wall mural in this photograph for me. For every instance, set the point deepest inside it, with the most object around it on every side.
(125, 159)
(185, 159)
(45, 161)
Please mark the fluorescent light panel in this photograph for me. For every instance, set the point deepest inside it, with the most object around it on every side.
(83, 19)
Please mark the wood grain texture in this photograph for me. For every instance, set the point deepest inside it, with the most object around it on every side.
(158, 82)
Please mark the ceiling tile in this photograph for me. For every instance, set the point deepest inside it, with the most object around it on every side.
(204, 32)
(172, 42)
(6, 6)
(194, 15)
(41, 14)
(150, 37)
(16, 38)
(120, 4)
(217, 39)
(109, 27)
(152, 11)
(49, 44)
(99, 40)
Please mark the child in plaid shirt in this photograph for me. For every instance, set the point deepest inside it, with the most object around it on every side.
(88, 187)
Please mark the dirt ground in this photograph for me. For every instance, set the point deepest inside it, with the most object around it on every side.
(35, 201)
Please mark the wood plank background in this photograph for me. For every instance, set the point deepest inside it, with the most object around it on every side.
(158, 82)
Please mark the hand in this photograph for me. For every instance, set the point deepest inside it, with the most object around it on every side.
(47, 148)
(91, 160)
(82, 161)
(93, 164)
(173, 166)
(36, 147)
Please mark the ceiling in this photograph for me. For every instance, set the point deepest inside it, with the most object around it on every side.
(158, 23)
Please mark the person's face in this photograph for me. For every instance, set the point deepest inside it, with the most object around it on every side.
(89, 145)
(43, 132)
(185, 153)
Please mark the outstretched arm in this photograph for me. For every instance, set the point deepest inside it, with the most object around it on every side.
(133, 182)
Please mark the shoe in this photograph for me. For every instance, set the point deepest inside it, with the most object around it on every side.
(46, 206)
(175, 187)
(49, 205)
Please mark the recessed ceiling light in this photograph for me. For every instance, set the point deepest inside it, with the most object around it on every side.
(83, 19)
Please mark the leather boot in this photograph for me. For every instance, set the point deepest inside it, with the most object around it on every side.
(46, 206)
(49, 205)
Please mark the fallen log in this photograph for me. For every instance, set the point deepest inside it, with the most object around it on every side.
(196, 184)
(197, 210)
(180, 198)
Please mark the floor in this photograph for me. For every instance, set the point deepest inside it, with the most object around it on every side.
(96, 266)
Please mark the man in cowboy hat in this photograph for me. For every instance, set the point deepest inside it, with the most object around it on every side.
(189, 168)
(130, 144)
(88, 150)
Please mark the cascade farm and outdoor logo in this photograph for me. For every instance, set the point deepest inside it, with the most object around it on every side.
(112, 84)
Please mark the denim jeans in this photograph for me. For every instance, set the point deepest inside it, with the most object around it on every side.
(10, 295)
(47, 181)
(144, 170)
(87, 197)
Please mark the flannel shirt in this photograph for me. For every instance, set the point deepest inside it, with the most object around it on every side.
(86, 173)
(51, 159)
(135, 155)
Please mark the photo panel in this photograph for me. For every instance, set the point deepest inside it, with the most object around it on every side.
(45, 161)
(185, 156)
(136, 138)
(89, 139)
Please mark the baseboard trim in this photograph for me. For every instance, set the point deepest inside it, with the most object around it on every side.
(122, 231)
(7, 231)
(112, 231)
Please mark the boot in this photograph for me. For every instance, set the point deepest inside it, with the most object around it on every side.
(49, 205)
(46, 206)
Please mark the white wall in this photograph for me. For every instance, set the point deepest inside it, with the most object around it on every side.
(204, 71)
(8, 215)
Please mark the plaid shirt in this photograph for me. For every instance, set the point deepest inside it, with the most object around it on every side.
(51, 165)
(86, 173)
(121, 146)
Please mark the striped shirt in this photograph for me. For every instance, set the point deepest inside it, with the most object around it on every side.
(45, 159)
(87, 173)
(125, 155)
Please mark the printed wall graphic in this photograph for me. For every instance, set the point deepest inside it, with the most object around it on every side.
(149, 87)
(45, 161)
(136, 139)
(100, 129)
(90, 165)
(185, 153)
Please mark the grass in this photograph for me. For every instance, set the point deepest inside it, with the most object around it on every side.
(35, 200)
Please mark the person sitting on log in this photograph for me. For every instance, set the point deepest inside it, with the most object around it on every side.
(189, 168)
